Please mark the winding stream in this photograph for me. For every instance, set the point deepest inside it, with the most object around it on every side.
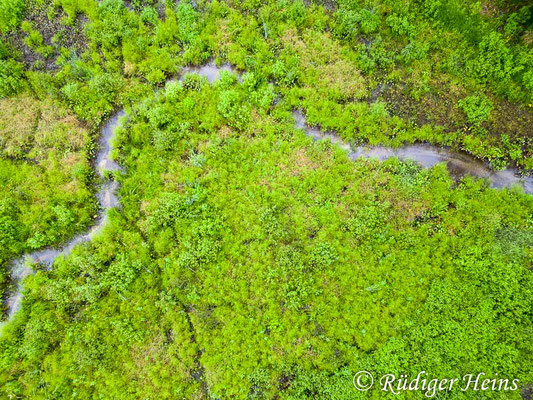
(107, 197)
(458, 163)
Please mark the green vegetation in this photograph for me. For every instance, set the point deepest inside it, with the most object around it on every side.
(252, 251)
(44, 174)
(11, 12)
(246, 260)
(420, 60)
(477, 109)
(11, 74)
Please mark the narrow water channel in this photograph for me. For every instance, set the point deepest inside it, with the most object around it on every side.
(427, 156)
(107, 197)
(459, 163)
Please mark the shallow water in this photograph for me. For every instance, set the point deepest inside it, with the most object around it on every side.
(107, 198)
(209, 70)
(459, 164)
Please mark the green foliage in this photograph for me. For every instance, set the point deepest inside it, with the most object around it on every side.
(279, 258)
(73, 7)
(351, 22)
(233, 107)
(165, 140)
(248, 261)
(399, 25)
(94, 99)
(11, 12)
(494, 61)
(45, 175)
(476, 108)
(517, 21)
(11, 78)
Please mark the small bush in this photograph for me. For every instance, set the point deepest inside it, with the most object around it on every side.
(11, 12)
(494, 60)
(476, 108)
(232, 107)
(11, 78)
(399, 25)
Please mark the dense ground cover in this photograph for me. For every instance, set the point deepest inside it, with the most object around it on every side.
(248, 261)
(448, 73)
(44, 174)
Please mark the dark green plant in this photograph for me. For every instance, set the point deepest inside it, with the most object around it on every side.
(477, 108)
(11, 78)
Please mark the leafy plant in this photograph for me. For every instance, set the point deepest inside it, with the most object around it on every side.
(477, 108)
(11, 12)
(11, 78)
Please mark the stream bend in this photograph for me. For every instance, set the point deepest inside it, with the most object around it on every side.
(459, 164)
(107, 196)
